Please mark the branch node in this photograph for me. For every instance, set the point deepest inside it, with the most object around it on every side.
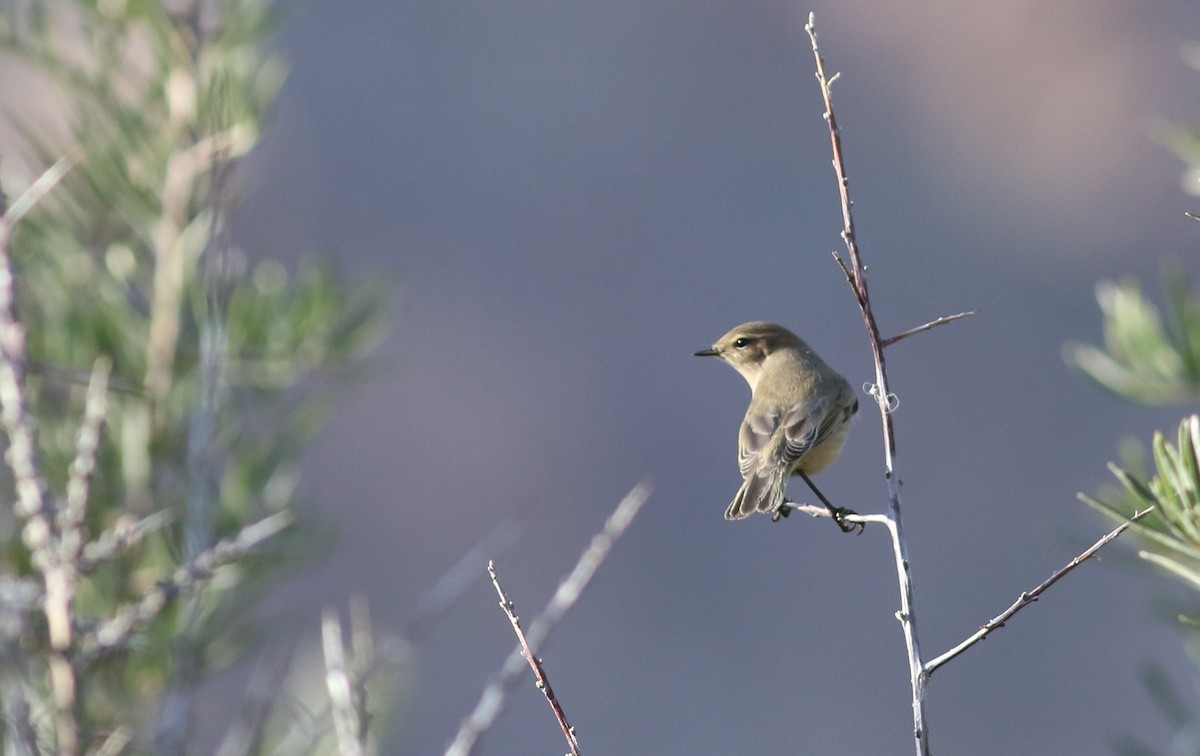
(890, 404)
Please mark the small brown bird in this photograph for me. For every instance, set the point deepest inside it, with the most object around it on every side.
(798, 419)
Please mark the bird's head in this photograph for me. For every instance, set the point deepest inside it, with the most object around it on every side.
(747, 347)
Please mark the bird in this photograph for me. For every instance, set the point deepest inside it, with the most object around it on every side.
(798, 419)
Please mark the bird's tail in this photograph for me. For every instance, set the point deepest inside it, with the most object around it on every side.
(761, 492)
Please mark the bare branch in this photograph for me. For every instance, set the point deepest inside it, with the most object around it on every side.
(491, 702)
(812, 510)
(931, 324)
(856, 275)
(1027, 598)
(539, 674)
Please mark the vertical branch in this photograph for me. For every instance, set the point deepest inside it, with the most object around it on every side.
(341, 691)
(856, 275)
(177, 253)
(362, 644)
(40, 530)
(87, 446)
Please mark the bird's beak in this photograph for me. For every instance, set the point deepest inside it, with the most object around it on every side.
(710, 352)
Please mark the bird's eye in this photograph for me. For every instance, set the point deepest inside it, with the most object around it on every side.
(742, 343)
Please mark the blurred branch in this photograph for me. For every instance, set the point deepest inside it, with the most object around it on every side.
(455, 581)
(372, 663)
(51, 554)
(343, 706)
(125, 533)
(115, 632)
(259, 697)
(491, 702)
(37, 191)
(71, 518)
(21, 452)
(118, 277)
(856, 275)
(115, 744)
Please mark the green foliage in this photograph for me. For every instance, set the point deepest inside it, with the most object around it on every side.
(1153, 358)
(1145, 360)
(1172, 531)
(222, 369)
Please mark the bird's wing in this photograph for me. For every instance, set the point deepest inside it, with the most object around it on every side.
(787, 435)
(784, 436)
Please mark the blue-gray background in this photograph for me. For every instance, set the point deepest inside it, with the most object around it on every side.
(575, 196)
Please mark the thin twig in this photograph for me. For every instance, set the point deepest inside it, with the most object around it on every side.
(539, 674)
(856, 275)
(1027, 598)
(491, 702)
(931, 324)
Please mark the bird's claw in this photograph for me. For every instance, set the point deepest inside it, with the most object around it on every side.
(839, 515)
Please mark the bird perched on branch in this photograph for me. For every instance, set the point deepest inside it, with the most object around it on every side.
(798, 419)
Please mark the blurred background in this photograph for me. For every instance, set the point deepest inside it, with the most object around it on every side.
(572, 198)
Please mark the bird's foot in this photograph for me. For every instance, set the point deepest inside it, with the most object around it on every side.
(840, 514)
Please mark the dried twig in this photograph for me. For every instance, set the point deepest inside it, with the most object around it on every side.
(931, 324)
(1027, 598)
(539, 674)
(491, 702)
